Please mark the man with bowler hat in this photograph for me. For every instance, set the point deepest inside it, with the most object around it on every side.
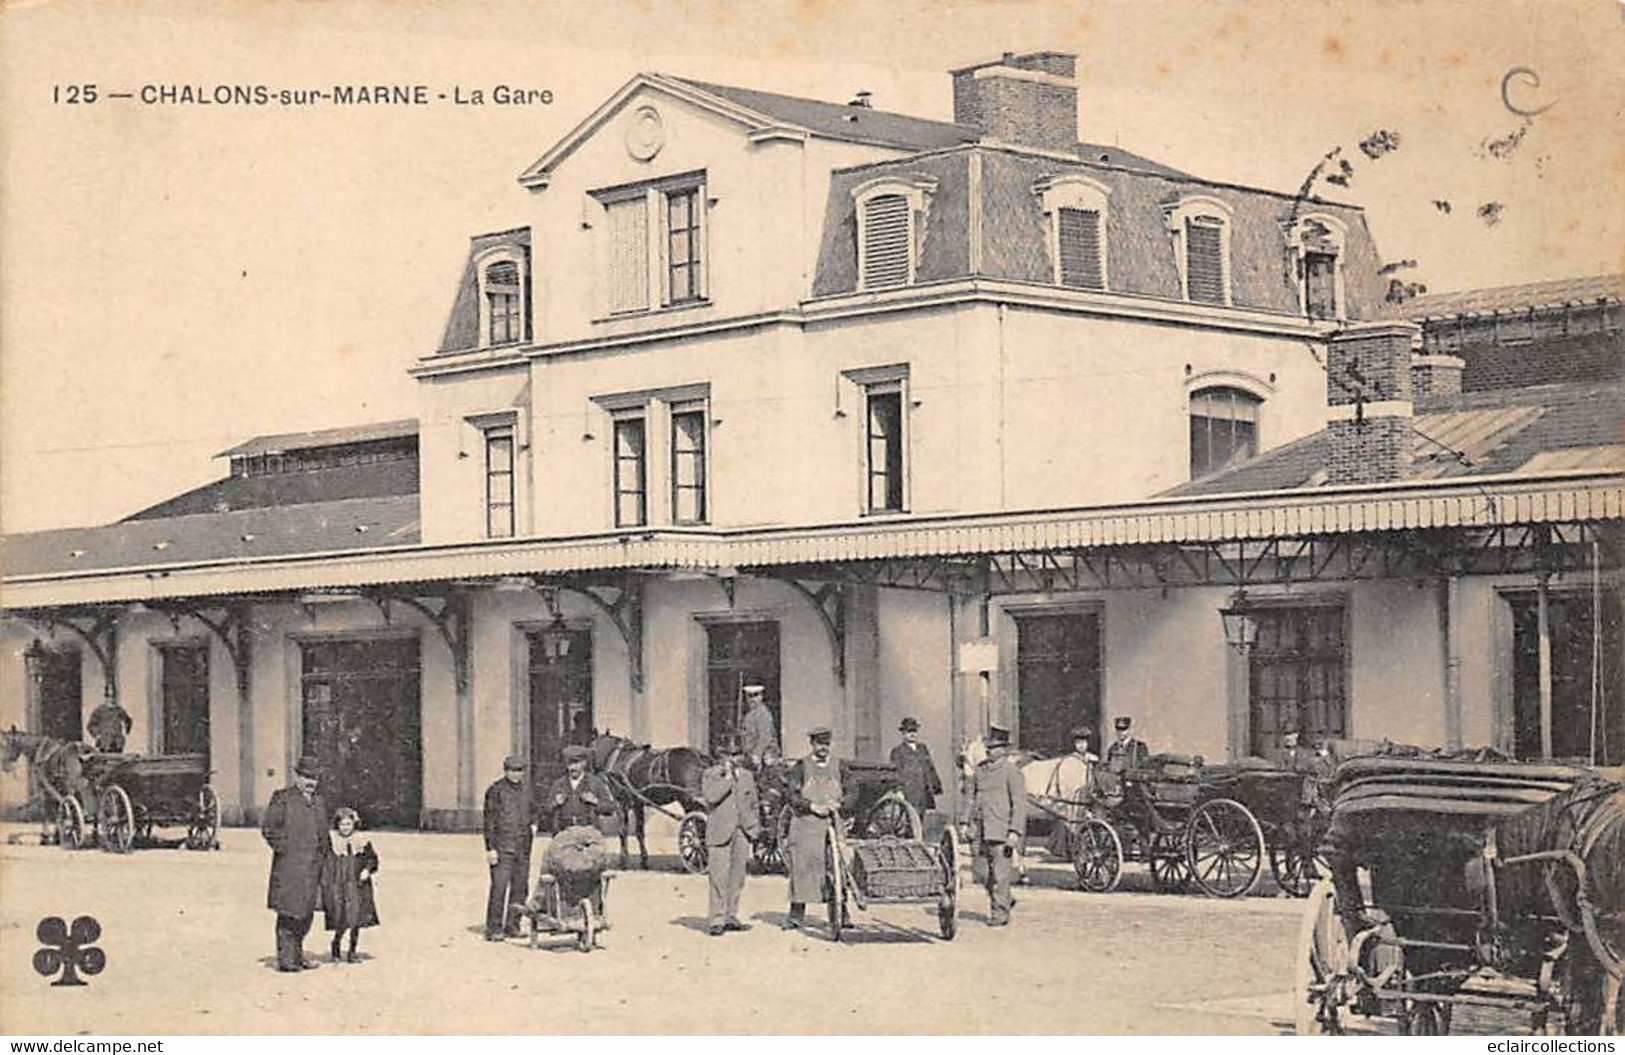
(295, 826)
(1001, 815)
(733, 819)
(510, 827)
(916, 773)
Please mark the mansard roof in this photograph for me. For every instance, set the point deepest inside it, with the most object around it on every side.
(1526, 296)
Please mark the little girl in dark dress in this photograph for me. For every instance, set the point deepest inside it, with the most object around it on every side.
(347, 898)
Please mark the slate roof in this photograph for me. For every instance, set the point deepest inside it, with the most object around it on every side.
(348, 525)
(297, 487)
(1587, 290)
(343, 436)
(1500, 431)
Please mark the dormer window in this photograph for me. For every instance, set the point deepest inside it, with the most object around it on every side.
(501, 276)
(1315, 246)
(1076, 210)
(1201, 235)
(891, 228)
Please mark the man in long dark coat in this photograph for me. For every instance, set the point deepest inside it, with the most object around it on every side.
(510, 828)
(818, 786)
(916, 773)
(295, 826)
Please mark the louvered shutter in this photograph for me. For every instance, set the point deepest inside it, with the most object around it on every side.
(885, 241)
(1079, 243)
(1204, 260)
(628, 255)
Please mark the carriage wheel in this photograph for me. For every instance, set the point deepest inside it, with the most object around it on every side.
(691, 848)
(589, 927)
(1225, 848)
(1320, 965)
(1097, 856)
(764, 850)
(834, 885)
(892, 815)
(948, 906)
(1296, 869)
(1169, 870)
(202, 833)
(71, 833)
(115, 820)
(1425, 1020)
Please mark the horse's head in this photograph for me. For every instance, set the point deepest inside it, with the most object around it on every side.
(15, 744)
(603, 746)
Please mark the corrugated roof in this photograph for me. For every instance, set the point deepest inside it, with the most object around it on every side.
(1586, 290)
(837, 121)
(297, 441)
(316, 527)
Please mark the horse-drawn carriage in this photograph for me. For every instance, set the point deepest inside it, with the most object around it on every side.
(1467, 884)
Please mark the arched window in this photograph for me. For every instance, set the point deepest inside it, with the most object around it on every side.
(502, 298)
(1315, 243)
(1201, 232)
(1076, 209)
(891, 225)
(1224, 428)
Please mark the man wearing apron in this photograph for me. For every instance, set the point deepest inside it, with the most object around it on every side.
(818, 786)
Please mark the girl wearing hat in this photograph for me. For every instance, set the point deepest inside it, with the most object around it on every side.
(347, 897)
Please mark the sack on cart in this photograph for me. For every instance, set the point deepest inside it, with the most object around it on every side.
(576, 860)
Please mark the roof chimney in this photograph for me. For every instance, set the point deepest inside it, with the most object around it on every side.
(865, 99)
(1027, 100)
(1368, 402)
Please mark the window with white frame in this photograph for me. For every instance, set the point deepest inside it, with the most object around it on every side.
(1315, 243)
(883, 412)
(501, 277)
(631, 468)
(1075, 210)
(1223, 428)
(891, 215)
(656, 243)
(499, 481)
(688, 437)
(1200, 228)
(660, 471)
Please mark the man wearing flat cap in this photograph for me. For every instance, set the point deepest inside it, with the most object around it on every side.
(916, 773)
(510, 828)
(1001, 815)
(1125, 753)
(756, 730)
(733, 818)
(295, 826)
(579, 797)
(817, 788)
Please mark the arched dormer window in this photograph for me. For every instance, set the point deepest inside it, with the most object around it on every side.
(501, 276)
(1224, 422)
(1200, 227)
(891, 227)
(1315, 245)
(1075, 213)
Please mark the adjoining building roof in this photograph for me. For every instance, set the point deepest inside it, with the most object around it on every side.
(297, 441)
(314, 527)
(1495, 432)
(1587, 290)
(298, 487)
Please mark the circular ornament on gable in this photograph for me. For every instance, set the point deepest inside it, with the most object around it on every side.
(646, 133)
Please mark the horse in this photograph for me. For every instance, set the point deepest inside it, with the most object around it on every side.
(55, 770)
(643, 776)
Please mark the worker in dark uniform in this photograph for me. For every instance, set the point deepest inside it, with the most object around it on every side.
(818, 787)
(108, 726)
(510, 828)
(1125, 753)
(733, 818)
(1001, 818)
(580, 798)
(916, 773)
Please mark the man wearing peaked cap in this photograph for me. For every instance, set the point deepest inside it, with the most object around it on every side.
(916, 772)
(581, 798)
(295, 826)
(510, 828)
(1125, 753)
(818, 786)
(1001, 816)
(756, 729)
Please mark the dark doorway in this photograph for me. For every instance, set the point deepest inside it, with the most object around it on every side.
(184, 690)
(1057, 679)
(740, 654)
(1296, 678)
(560, 668)
(363, 723)
(57, 672)
(1575, 636)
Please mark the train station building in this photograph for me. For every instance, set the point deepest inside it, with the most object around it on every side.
(965, 420)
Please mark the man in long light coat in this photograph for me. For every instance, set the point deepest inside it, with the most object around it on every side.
(733, 819)
(1001, 815)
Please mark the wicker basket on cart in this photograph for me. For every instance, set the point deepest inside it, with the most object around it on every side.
(896, 868)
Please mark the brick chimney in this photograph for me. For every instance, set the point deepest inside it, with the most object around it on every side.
(1368, 402)
(1026, 100)
(1436, 375)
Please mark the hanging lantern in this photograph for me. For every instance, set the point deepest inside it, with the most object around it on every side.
(555, 636)
(1240, 622)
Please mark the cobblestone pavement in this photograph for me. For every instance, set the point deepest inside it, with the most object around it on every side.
(189, 944)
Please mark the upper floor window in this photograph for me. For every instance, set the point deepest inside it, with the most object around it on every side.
(660, 466)
(1315, 243)
(688, 463)
(499, 482)
(631, 469)
(1201, 233)
(883, 402)
(1224, 428)
(656, 242)
(891, 228)
(1076, 210)
(501, 277)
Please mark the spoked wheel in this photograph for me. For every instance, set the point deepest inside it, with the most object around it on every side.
(834, 886)
(691, 848)
(766, 852)
(1425, 1020)
(1169, 870)
(1296, 869)
(1097, 856)
(115, 820)
(589, 927)
(948, 906)
(71, 832)
(202, 833)
(892, 815)
(1224, 848)
(1320, 965)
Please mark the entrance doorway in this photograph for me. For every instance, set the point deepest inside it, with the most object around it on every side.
(184, 694)
(560, 679)
(57, 673)
(1295, 678)
(740, 654)
(363, 723)
(1057, 679)
(1575, 638)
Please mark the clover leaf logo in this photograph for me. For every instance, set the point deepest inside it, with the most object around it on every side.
(69, 949)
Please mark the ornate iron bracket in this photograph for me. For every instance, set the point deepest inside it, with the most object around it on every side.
(451, 618)
(101, 638)
(625, 611)
(829, 601)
